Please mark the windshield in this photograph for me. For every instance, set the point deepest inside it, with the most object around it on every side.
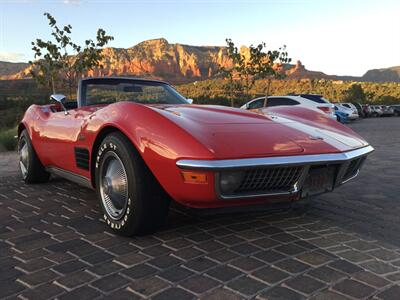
(144, 92)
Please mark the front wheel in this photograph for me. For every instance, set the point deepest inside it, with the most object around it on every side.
(132, 200)
(31, 169)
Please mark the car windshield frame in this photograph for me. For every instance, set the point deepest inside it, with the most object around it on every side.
(172, 93)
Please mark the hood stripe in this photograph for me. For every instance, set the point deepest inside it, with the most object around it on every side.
(338, 141)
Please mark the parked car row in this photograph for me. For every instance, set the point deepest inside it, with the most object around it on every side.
(380, 110)
(342, 112)
(310, 101)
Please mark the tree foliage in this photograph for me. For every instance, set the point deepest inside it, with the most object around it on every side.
(246, 68)
(355, 93)
(215, 91)
(60, 62)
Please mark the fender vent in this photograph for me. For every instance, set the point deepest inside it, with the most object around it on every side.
(82, 158)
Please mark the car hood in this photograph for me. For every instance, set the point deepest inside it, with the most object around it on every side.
(234, 133)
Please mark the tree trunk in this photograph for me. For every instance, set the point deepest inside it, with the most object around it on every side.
(247, 89)
(232, 93)
(70, 84)
(267, 92)
(52, 84)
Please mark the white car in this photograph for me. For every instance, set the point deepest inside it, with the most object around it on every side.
(376, 110)
(325, 107)
(350, 106)
(387, 111)
(350, 114)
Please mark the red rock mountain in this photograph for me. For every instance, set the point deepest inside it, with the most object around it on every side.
(158, 59)
(182, 63)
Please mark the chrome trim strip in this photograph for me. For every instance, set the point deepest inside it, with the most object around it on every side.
(352, 177)
(79, 179)
(218, 165)
(294, 191)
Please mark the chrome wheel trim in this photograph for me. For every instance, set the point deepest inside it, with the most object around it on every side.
(113, 185)
(23, 151)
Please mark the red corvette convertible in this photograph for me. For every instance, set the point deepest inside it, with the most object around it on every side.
(139, 143)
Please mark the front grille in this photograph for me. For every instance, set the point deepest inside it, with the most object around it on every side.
(269, 180)
(353, 168)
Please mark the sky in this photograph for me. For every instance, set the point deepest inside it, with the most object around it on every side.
(334, 36)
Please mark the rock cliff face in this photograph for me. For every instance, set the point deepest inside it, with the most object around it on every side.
(157, 58)
(179, 63)
(299, 71)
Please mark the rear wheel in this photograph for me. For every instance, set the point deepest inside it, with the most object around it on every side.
(132, 200)
(32, 170)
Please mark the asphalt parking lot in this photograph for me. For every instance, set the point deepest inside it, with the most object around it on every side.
(341, 245)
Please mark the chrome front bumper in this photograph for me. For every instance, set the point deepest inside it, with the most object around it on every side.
(343, 162)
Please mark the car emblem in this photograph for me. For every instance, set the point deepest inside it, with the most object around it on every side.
(315, 137)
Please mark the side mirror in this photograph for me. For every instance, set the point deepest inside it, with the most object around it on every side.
(59, 98)
(190, 101)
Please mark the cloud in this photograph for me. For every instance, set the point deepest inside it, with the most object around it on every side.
(11, 56)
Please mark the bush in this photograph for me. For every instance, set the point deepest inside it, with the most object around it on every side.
(216, 91)
(8, 142)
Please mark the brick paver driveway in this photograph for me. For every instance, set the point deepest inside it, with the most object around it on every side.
(341, 245)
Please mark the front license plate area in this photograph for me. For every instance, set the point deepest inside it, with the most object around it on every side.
(319, 180)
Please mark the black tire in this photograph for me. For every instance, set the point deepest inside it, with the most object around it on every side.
(31, 169)
(338, 119)
(138, 207)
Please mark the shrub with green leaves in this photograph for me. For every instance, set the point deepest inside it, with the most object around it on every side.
(8, 142)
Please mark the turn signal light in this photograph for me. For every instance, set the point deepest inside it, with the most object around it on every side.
(194, 177)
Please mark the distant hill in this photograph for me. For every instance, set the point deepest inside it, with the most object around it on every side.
(9, 68)
(383, 75)
(179, 63)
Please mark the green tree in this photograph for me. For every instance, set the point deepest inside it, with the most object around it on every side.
(268, 65)
(233, 85)
(60, 62)
(259, 64)
(355, 93)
